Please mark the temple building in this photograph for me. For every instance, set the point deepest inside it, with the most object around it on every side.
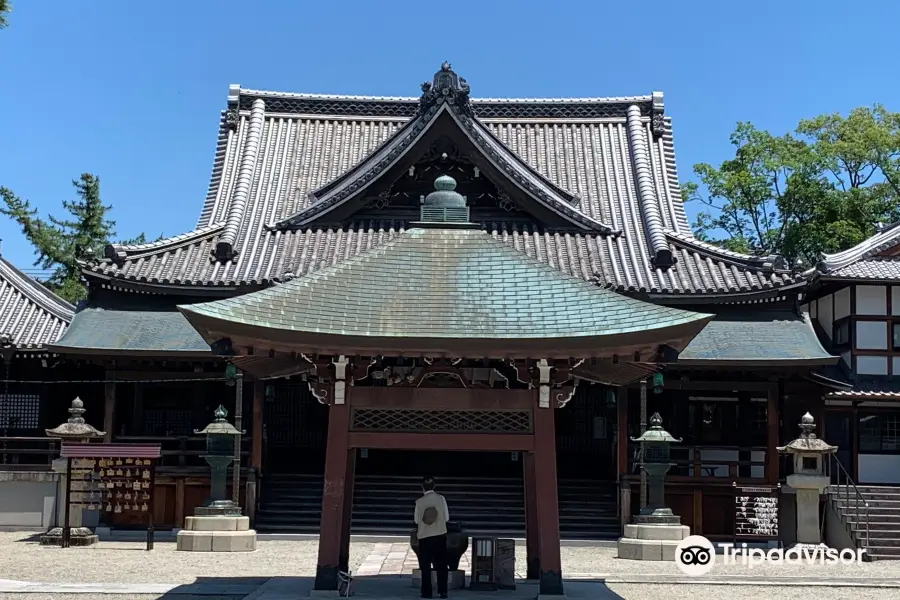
(481, 290)
(854, 299)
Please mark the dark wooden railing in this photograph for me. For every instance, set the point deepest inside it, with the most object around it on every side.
(23, 453)
(698, 467)
(184, 451)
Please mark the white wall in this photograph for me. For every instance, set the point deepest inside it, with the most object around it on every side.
(27, 504)
(879, 468)
(825, 314)
(872, 365)
(842, 303)
(871, 300)
(872, 335)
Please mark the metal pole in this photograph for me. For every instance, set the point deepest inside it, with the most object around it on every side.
(643, 445)
(238, 422)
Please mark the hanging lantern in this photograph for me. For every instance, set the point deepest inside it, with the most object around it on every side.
(657, 383)
(230, 374)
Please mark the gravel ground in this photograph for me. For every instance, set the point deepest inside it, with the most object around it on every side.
(708, 592)
(129, 562)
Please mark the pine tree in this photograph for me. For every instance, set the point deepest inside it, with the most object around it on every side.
(63, 245)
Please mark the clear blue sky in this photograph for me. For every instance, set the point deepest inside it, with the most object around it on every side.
(131, 91)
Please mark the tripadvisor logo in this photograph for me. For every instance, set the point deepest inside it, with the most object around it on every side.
(696, 555)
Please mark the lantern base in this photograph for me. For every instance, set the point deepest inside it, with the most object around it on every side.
(218, 508)
(657, 516)
(651, 542)
(216, 534)
(78, 536)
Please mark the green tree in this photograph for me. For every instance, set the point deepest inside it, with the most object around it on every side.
(822, 188)
(5, 7)
(63, 245)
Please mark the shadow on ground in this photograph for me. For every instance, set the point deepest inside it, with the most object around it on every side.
(375, 587)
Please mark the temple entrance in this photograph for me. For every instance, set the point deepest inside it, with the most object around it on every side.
(294, 429)
(419, 463)
(586, 435)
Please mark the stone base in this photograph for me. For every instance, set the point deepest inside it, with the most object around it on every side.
(651, 542)
(456, 580)
(216, 534)
(78, 536)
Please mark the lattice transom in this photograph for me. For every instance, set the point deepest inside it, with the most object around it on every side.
(468, 421)
(20, 411)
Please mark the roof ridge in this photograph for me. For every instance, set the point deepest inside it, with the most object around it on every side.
(771, 262)
(36, 292)
(882, 240)
(415, 99)
(117, 252)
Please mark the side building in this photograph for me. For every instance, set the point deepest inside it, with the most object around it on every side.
(325, 196)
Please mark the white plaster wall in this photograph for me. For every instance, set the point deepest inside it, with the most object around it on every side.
(895, 300)
(871, 365)
(27, 503)
(842, 303)
(826, 315)
(895, 367)
(879, 468)
(758, 470)
(871, 300)
(871, 335)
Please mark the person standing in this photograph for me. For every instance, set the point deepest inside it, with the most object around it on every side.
(431, 519)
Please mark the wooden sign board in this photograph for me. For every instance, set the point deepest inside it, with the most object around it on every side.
(111, 478)
(756, 512)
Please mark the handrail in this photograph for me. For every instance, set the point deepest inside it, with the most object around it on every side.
(843, 493)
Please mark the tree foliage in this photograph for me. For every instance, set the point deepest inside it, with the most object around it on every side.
(63, 245)
(823, 188)
(5, 7)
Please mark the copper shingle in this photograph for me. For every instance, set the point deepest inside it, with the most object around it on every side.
(30, 314)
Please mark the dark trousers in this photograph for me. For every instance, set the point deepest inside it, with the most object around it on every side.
(433, 552)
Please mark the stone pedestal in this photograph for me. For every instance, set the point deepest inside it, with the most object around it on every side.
(651, 542)
(809, 488)
(216, 534)
(81, 520)
(456, 580)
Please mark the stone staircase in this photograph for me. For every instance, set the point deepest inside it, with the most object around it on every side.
(291, 503)
(883, 515)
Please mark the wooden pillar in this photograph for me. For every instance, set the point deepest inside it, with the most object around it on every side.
(109, 410)
(331, 528)
(347, 512)
(256, 433)
(179, 502)
(622, 431)
(771, 469)
(547, 502)
(137, 414)
(532, 536)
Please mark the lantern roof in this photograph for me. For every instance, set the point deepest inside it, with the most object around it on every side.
(807, 442)
(75, 428)
(656, 434)
(219, 426)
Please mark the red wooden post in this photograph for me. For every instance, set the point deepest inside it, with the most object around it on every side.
(547, 503)
(532, 538)
(331, 528)
(347, 513)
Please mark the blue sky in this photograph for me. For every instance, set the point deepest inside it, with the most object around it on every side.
(131, 91)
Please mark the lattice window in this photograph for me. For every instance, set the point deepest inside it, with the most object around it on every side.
(167, 422)
(468, 421)
(20, 411)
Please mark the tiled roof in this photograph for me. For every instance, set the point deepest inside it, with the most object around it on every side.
(764, 336)
(30, 314)
(701, 269)
(875, 389)
(616, 154)
(428, 287)
(835, 265)
(870, 269)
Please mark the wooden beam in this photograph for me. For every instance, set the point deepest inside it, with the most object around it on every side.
(738, 386)
(482, 442)
(771, 469)
(532, 534)
(551, 583)
(162, 375)
(109, 410)
(179, 502)
(440, 398)
(256, 433)
(697, 529)
(621, 431)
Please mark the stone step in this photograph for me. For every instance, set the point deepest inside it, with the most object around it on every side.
(877, 532)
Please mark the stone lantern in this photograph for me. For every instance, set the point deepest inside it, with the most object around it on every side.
(81, 519)
(656, 530)
(809, 479)
(217, 525)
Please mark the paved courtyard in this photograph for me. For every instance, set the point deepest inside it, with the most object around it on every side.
(284, 569)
